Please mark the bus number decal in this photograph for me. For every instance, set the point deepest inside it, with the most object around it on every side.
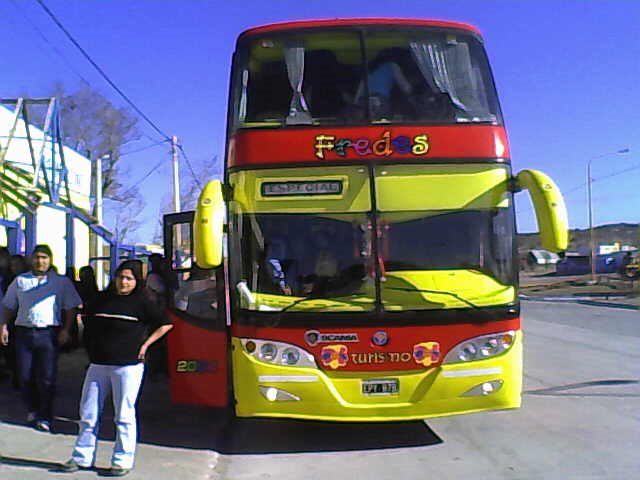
(195, 366)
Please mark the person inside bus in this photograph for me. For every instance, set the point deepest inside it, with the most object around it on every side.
(275, 255)
(198, 296)
(325, 267)
(383, 77)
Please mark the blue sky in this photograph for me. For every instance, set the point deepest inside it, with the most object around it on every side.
(567, 74)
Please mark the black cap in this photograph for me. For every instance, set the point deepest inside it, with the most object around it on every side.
(42, 248)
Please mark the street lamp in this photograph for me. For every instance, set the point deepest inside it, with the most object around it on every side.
(592, 243)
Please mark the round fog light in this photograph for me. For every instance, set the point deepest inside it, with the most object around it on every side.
(271, 394)
(487, 388)
(250, 346)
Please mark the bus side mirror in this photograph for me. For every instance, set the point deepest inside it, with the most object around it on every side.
(208, 225)
(551, 212)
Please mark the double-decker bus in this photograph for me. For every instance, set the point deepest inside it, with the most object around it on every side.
(363, 239)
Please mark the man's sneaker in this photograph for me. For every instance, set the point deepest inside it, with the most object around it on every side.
(43, 426)
(70, 466)
(116, 471)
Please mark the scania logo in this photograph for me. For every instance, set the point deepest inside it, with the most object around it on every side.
(380, 338)
(313, 337)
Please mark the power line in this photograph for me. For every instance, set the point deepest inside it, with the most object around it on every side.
(142, 149)
(193, 173)
(102, 73)
(614, 174)
(148, 174)
(620, 172)
(48, 42)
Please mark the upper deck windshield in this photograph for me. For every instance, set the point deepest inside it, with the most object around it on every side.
(344, 76)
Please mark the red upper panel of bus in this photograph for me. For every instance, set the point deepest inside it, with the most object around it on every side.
(341, 22)
(251, 148)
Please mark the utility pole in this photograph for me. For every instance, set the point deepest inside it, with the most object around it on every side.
(176, 190)
(176, 173)
(592, 243)
(98, 207)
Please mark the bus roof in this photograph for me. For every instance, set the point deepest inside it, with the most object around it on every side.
(340, 22)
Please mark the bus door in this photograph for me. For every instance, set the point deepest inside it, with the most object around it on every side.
(198, 343)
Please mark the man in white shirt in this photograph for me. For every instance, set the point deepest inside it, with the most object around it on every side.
(43, 304)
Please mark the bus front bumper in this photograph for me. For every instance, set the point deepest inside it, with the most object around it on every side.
(267, 390)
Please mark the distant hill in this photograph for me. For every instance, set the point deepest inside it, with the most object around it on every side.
(624, 233)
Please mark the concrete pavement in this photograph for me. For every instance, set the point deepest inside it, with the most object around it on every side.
(176, 442)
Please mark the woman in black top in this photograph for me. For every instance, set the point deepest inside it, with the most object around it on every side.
(117, 338)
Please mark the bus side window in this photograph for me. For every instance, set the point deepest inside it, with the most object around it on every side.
(197, 295)
(269, 93)
(322, 83)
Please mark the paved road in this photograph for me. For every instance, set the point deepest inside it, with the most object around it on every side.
(579, 421)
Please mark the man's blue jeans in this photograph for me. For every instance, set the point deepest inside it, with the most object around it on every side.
(37, 359)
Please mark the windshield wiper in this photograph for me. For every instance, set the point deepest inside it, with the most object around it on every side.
(280, 313)
(439, 292)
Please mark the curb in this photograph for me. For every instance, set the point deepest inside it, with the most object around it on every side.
(582, 300)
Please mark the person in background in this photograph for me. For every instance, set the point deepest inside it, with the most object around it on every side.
(326, 265)
(156, 286)
(5, 273)
(197, 296)
(87, 285)
(87, 288)
(158, 289)
(117, 341)
(43, 304)
(276, 252)
(384, 75)
(5, 353)
(17, 265)
(70, 273)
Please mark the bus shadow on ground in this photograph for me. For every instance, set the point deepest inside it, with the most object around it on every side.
(165, 424)
(584, 389)
(268, 436)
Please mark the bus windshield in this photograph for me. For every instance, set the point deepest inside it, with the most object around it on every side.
(422, 260)
(338, 77)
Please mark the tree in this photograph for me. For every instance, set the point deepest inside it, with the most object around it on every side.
(93, 125)
(126, 219)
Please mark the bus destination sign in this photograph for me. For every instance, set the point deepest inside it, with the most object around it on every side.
(281, 189)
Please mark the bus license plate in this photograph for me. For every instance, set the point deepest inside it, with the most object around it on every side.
(388, 386)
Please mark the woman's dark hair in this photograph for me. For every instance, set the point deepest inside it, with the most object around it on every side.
(136, 268)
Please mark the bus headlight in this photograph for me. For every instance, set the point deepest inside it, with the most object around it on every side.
(479, 348)
(268, 352)
(468, 352)
(278, 353)
(290, 356)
